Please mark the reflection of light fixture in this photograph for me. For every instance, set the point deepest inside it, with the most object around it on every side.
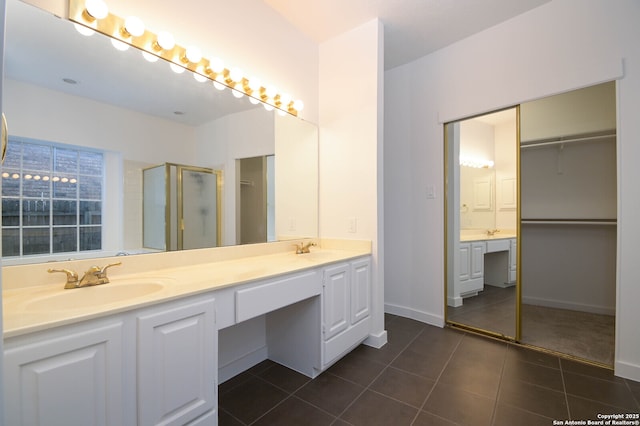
(120, 45)
(92, 14)
(476, 163)
(73, 180)
(150, 57)
(45, 178)
(15, 176)
(95, 9)
(199, 77)
(176, 68)
(133, 27)
(28, 176)
(55, 178)
(5, 175)
(237, 90)
(64, 180)
(85, 31)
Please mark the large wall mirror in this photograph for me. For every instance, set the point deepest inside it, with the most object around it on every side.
(74, 91)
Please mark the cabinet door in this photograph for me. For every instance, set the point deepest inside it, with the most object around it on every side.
(335, 286)
(360, 290)
(477, 259)
(465, 261)
(70, 378)
(177, 363)
(513, 261)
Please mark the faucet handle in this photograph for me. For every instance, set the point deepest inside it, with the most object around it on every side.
(104, 268)
(72, 277)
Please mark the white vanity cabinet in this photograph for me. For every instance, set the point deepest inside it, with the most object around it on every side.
(471, 267)
(68, 376)
(176, 363)
(346, 308)
(152, 366)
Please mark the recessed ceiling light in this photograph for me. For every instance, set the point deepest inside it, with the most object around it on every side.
(69, 81)
(178, 112)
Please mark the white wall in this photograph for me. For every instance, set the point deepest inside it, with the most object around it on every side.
(560, 46)
(350, 147)
(226, 140)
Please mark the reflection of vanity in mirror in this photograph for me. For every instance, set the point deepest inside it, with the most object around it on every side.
(487, 221)
(71, 90)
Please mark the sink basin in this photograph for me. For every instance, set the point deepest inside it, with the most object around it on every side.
(115, 291)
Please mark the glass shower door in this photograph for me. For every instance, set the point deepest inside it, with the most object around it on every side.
(199, 200)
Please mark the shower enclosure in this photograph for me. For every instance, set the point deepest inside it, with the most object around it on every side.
(181, 207)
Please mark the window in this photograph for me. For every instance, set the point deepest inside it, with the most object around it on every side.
(51, 199)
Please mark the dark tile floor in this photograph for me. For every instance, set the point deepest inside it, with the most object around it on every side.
(429, 376)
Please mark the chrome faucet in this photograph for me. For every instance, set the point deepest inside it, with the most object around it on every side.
(94, 276)
(304, 248)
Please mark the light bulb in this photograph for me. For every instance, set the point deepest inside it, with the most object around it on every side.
(268, 107)
(218, 85)
(37, 177)
(193, 54)
(28, 176)
(217, 65)
(199, 77)
(255, 84)
(15, 176)
(55, 179)
(150, 57)
(97, 9)
(45, 178)
(235, 74)
(271, 91)
(64, 180)
(5, 175)
(285, 100)
(176, 68)
(165, 40)
(254, 100)
(85, 31)
(298, 105)
(281, 112)
(73, 180)
(134, 26)
(237, 90)
(120, 45)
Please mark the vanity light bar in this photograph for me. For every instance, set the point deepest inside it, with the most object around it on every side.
(476, 163)
(83, 12)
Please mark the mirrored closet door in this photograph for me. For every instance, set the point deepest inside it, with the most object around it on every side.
(482, 223)
(531, 223)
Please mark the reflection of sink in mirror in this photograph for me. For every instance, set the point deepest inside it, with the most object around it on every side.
(115, 291)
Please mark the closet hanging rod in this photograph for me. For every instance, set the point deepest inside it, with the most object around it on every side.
(561, 140)
(606, 222)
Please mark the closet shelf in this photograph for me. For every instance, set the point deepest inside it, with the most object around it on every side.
(609, 222)
(590, 137)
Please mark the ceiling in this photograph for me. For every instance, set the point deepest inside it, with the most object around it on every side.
(412, 28)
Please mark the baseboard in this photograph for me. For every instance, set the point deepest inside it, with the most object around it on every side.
(425, 317)
(241, 364)
(626, 370)
(376, 340)
(561, 304)
(454, 302)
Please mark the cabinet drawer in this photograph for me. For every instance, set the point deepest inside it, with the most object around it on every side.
(498, 245)
(254, 301)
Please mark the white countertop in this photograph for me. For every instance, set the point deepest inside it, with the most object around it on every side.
(482, 237)
(38, 307)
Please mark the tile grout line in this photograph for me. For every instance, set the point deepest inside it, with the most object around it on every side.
(564, 389)
(438, 378)
(386, 366)
(504, 364)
